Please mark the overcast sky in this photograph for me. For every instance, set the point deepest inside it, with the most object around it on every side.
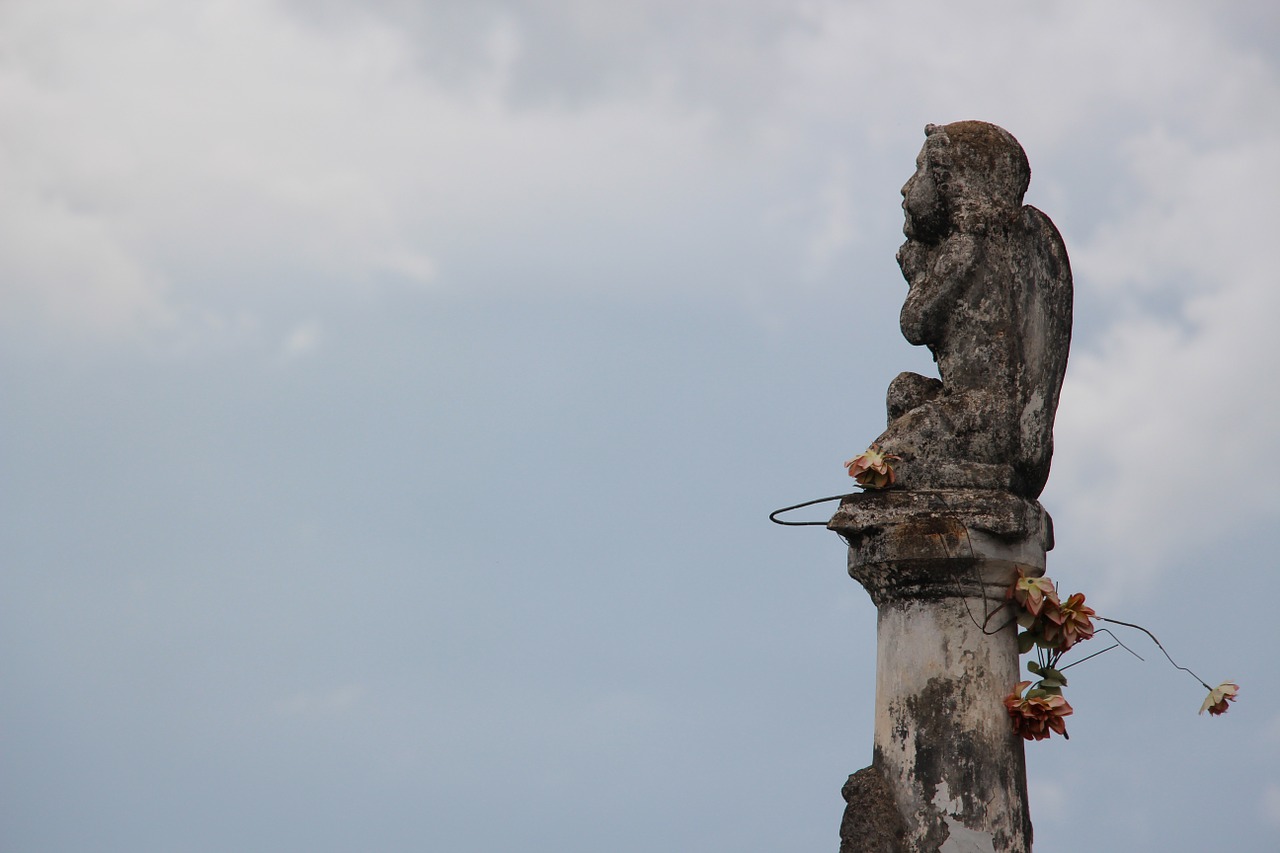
(395, 393)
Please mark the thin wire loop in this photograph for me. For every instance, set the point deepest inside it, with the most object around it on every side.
(773, 516)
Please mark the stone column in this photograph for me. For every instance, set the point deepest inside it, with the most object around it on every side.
(937, 565)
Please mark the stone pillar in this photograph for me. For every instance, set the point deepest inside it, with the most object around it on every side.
(937, 565)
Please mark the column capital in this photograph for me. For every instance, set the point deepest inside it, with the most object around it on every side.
(945, 543)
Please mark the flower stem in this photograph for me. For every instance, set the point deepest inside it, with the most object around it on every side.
(1089, 657)
(1155, 640)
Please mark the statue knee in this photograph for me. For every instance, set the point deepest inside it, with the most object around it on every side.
(909, 390)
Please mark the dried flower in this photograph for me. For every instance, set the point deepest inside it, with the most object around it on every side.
(1038, 714)
(1032, 593)
(872, 468)
(1216, 702)
(1070, 623)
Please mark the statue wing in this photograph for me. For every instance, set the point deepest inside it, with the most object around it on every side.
(1047, 297)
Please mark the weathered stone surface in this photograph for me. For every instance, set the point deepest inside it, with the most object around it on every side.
(941, 543)
(1001, 514)
(937, 565)
(942, 737)
(990, 294)
(871, 822)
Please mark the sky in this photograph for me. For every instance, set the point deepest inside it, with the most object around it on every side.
(394, 395)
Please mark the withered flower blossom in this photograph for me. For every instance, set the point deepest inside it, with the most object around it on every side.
(1216, 702)
(1032, 593)
(1038, 714)
(1070, 623)
(872, 469)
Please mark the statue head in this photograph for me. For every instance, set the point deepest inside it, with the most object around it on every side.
(969, 174)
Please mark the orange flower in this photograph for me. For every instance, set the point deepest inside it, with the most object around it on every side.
(1216, 702)
(1038, 714)
(872, 468)
(1032, 593)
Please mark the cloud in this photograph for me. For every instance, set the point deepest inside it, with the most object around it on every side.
(1166, 428)
(206, 157)
(1050, 798)
(1270, 804)
(221, 169)
(182, 161)
(322, 705)
(836, 229)
(60, 266)
(303, 340)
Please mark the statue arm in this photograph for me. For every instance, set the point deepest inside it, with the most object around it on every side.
(935, 291)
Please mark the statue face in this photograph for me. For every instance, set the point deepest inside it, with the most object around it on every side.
(926, 216)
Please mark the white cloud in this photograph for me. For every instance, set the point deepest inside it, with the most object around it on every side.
(63, 266)
(318, 705)
(303, 340)
(1048, 798)
(836, 230)
(413, 266)
(203, 147)
(173, 156)
(1270, 804)
(1166, 429)
(210, 167)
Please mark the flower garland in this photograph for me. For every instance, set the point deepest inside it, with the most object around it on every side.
(1050, 627)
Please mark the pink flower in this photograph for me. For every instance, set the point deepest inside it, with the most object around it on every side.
(1069, 623)
(1032, 593)
(1038, 714)
(1216, 702)
(872, 468)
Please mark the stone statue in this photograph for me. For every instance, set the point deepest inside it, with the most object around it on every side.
(990, 295)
